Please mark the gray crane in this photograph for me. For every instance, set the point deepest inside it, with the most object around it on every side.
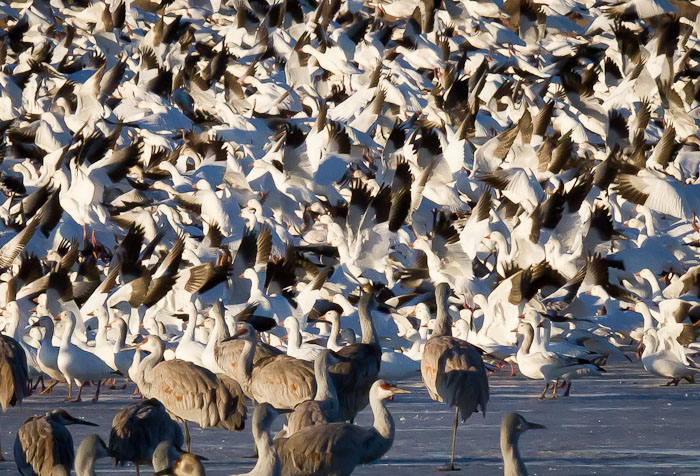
(227, 352)
(282, 381)
(358, 365)
(512, 426)
(14, 375)
(90, 450)
(190, 392)
(42, 443)
(138, 429)
(335, 449)
(453, 370)
(324, 407)
(268, 463)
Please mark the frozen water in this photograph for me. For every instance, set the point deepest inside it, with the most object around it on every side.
(622, 423)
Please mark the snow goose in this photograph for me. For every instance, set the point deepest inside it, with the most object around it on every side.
(295, 348)
(188, 349)
(78, 365)
(664, 363)
(548, 365)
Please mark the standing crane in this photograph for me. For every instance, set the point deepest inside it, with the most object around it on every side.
(14, 375)
(334, 449)
(138, 429)
(324, 407)
(43, 443)
(358, 365)
(282, 381)
(189, 392)
(453, 370)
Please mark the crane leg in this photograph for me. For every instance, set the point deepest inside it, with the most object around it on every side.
(451, 467)
(568, 389)
(1, 456)
(138, 472)
(187, 434)
(97, 393)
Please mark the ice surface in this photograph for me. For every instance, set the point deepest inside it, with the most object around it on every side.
(621, 424)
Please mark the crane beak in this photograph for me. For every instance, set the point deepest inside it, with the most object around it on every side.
(534, 426)
(76, 421)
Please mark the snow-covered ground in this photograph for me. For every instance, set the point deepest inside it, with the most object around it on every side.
(621, 424)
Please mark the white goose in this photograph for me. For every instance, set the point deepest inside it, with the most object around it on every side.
(661, 362)
(78, 365)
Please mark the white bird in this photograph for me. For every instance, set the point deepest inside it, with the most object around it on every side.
(78, 365)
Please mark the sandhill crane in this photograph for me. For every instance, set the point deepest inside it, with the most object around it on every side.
(358, 365)
(90, 450)
(14, 375)
(336, 448)
(324, 407)
(453, 370)
(268, 463)
(42, 443)
(227, 353)
(138, 429)
(189, 392)
(281, 381)
(512, 426)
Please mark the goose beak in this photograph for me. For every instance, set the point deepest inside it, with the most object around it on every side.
(396, 390)
(541, 324)
(514, 330)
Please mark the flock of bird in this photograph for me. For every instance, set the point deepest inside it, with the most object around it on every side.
(296, 202)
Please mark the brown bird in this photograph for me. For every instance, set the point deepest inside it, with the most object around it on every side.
(44, 443)
(452, 369)
(358, 365)
(334, 449)
(14, 375)
(282, 381)
(190, 392)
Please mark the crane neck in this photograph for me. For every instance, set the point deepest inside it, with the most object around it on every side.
(268, 463)
(443, 320)
(147, 365)
(325, 390)
(85, 461)
(513, 464)
(369, 332)
(384, 428)
(245, 371)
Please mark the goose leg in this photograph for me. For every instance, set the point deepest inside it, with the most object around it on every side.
(544, 392)
(454, 438)
(554, 392)
(70, 391)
